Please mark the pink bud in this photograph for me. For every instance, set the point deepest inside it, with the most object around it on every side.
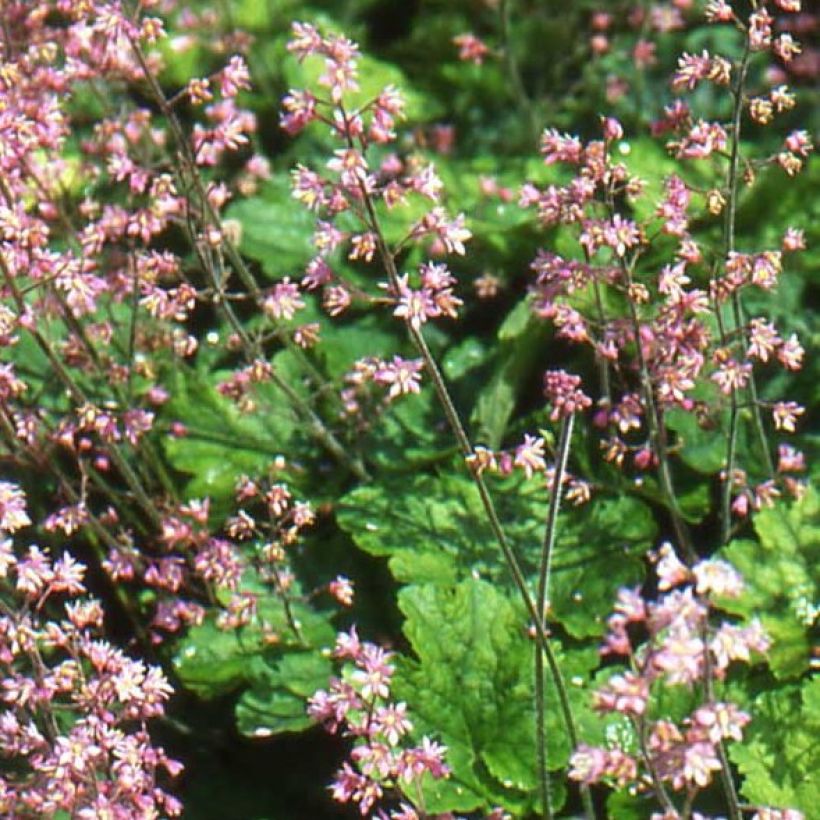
(612, 129)
(599, 44)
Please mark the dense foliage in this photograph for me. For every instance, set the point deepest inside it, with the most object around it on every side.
(404, 409)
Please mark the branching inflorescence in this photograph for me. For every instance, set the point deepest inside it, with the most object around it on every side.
(117, 261)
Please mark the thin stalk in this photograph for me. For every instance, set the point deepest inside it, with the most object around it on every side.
(641, 730)
(729, 246)
(729, 224)
(79, 397)
(552, 516)
(603, 364)
(657, 432)
(466, 448)
(317, 427)
(544, 572)
(511, 66)
(726, 778)
(151, 455)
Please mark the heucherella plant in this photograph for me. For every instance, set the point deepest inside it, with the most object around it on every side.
(297, 347)
(74, 722)
(665, 348)
(679, 648)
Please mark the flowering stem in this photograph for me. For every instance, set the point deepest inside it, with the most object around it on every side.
(542, 594)
(552, 516)
(729, 246)
(729, 243)
(656, 429)
(466, 447)
(147, 447)
(725, 768)
(79, 397)
(187, 163)
(603, 364)
(642, 730)
(511, 66)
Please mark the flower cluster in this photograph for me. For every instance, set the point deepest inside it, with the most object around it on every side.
(383, 765)
(353, 187)
(75, 709)
(680, 645)
(684, 325)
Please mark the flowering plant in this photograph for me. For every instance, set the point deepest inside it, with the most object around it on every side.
(296, 348)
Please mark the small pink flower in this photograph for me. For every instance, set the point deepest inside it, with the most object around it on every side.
(470, 48)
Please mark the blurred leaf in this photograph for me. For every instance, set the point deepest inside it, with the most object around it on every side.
(782, 580)
(441, 521)
(521, 337)
(780, 756)
(277, 700)
(223, 443)
(276, 230)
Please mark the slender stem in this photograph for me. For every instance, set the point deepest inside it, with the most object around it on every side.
(149, 451)
(552, 516)
(79, 397)
(466, 447)
(513, 72)
(603, 363)
(657, 431)
(187, 162)
(726, 495)
(729, 246)
(641, 730)
(729, 225)
(725, 768)
(542, 593)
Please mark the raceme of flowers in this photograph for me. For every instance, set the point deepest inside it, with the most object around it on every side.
(88, 216)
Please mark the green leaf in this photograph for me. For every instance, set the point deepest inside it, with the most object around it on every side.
(423, 524)
(702, 449)
(471, 686)
(520, 336)
(211, 661)
(277, 700)
(276, 230)
(599, 548)
(411, 433)
(782, 580)
(780, 756)
(441, 522)
(222, 442)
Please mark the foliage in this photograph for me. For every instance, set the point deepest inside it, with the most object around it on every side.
(330, 404)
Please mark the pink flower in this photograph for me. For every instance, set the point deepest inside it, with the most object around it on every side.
(470, 48)
(341, 588)
(721, 721)
(234, 77)
(556, 147)
(13, 514)
(529, 456)
(562, 391)
(717, 577)
(671, 571)
(403, 376)
(785, 415)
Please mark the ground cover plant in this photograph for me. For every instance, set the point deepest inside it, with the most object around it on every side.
(406, 409)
